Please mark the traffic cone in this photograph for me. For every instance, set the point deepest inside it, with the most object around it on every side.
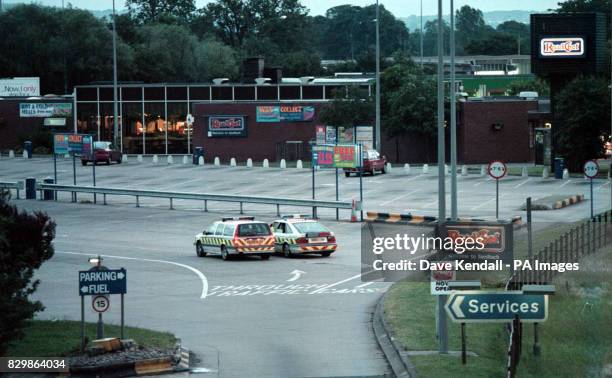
(353, 212)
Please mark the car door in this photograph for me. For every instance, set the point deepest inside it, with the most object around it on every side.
(280, 229)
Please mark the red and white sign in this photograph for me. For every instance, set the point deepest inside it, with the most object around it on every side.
(590, 169)
(563, 46)
(497, 169)
(440, 280)
(100, 303)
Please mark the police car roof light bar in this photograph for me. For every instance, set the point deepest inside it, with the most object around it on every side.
(225, 219)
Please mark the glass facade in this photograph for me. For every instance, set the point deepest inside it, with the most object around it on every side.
(151, 118)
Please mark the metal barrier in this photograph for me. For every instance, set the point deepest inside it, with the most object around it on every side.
(16, 185)
(314, 204)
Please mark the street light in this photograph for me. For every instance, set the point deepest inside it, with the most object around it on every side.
(378, 144)
(95, 261)
(115, 113)
(453, 116)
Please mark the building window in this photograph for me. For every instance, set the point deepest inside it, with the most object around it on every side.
(87, 94)
(177, 131)
(132, 132)
(155, 124)
(177, 93)
(87, 118)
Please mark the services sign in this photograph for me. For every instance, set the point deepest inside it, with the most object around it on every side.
(96, 282)
(20, 87)
(285, 113)
(45, 110)
(562, 47)
(73, 144)
(227, 126)
(496, 306)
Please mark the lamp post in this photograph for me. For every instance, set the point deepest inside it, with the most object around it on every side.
(453, 116)
(421, 34)
(115, 115)
(378, 144)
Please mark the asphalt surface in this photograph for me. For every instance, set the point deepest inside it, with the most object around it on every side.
(414, 193)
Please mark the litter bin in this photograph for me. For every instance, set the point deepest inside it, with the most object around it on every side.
(198, 151)
(27, 147)
(559, 167)
(48, 195)
(30, 187)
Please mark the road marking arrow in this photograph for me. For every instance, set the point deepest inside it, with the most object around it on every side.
(296, 274)
(456, 307)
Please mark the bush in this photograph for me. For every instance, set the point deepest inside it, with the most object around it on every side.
(25, 243)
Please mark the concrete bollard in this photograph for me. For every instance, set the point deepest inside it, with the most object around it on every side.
(25, 154)
(524, 172)
(283, 164)
(232, 162)
(464, 170)
(124, 158)
(483, 170)
(170, 159)
(155, 159)
(407, 168)
(266, 163)
(139, 158)
(299, 164)
(201, 160)
(545, 172)
(249, 163)
(565, 174)
(217, 161)
(11, 154)
(425, 169)
(66, 156)
(388, 168)
(185, 160)
(445, 170)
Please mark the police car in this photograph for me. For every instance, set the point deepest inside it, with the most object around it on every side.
(296, 234)
(236, 236)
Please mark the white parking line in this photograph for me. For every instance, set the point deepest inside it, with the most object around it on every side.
(398, 197)
(522, 183)
(194, 270)
(565, 183)
(487, 202)
(179, 183)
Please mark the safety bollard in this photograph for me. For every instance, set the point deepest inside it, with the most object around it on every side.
(283, 164)
(425, 169)
(565, 174)
(249, 163)
(185, 160)
(217, 161)
(155, 159)
(545, 172)
(483, 170)
(139, 158)
(11, 154)
(299, 164)
(524, 172)
(407, 168)
(266, 163)
(464, 170)
(232, 162)
(201, 160)
(388, 168)
(124, 158)
(170, 159)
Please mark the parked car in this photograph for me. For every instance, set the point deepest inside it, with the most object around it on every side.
(372, 162)
(103, 152)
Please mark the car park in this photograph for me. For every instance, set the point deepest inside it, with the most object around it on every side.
(241, 236)
(372, 162)
(103, 152)
(297, 235)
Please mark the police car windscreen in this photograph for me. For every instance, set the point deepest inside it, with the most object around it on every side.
(253, 229)
(306, 227)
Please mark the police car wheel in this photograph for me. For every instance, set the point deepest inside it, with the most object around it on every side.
(265, 257)
(224, 254)
(287, 250)
(325, 254)
(200, 250)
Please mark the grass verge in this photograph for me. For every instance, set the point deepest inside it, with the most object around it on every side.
(44, 338)
(575, 340)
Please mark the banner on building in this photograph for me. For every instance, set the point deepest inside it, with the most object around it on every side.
(285, 113)
(20, 87)
(227, 126)
(45, 109)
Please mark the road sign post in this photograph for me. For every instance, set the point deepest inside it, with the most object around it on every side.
(497, 170)
(189, 120)
(591, 169)
(496, 306)
(100, 303)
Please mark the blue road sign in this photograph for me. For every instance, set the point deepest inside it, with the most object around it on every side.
(496, 306)
(94, 282)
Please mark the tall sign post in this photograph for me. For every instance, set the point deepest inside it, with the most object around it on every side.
(75, 145)
(497, 170)
(189, 122)
(591, 169)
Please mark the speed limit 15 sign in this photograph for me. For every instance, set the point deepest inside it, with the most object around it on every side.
(100, 303)
(497, 169)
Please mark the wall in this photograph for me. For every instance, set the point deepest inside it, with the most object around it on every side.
(478, 142)
(262, 137)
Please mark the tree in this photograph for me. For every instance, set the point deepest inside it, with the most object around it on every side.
(145, 11)
(25, 243)
(584, 108)
(493, 44)
(602, 6)
(430, 37)
(519, 31)
(470, 26)
(533, 85)
(348, 108)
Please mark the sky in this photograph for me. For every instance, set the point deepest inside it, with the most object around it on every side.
(400, 8)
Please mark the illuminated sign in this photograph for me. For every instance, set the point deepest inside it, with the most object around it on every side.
(495, 240)
(285, 113)
(559, 47)
(226, 126)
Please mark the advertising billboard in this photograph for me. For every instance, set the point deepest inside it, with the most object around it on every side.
(227, 126)
(285, 113)
(73, 144)
(45, 110)
(562, 47)
(336, 156)
(496, 239)
(20, 87)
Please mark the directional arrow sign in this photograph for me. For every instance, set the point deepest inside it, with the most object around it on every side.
(110, 281)
(496, 306)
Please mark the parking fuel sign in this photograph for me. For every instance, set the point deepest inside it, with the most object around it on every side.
(94, 282)
(496, 306)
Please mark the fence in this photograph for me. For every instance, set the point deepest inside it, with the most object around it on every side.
(582, 240)
(17, 186)
(514, 346)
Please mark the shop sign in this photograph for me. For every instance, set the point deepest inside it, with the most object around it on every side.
(227, 126)
(562, 47)
(20, 87)
(285, 113)
(336, 156)
(479, 240)
(73, 144)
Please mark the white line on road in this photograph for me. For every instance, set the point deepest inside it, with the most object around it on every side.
(194, 270)
(522, 183)
(398, 197)
(486, 202)
(565, 183)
